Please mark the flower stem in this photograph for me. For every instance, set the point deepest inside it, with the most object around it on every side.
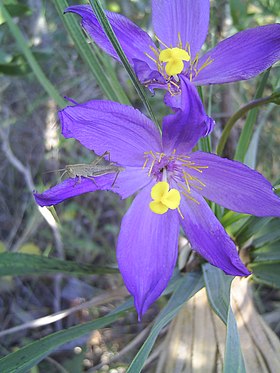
(239, 114)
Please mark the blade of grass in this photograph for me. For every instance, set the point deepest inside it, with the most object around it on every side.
(22, 45)
(101, 16)
(16, 264)
(112, 90)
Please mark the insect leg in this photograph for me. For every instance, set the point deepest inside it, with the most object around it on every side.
(78, 181)
(99, 158)
(117, 174)
(92, 178)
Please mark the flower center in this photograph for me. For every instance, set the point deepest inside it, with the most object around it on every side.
(178, 169)
(174, 57)
(164, 198)
(170, 62)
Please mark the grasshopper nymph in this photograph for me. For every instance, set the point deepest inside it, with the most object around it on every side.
(93, 169)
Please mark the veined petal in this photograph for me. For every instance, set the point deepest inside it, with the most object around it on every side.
(186, 18)
(109, 126)
(134, 41)
(147, 250)
(182, 130)
(150, 78)
(73, 187)
(208, 237)
(242, 56)
(236, 186)
(125, 184)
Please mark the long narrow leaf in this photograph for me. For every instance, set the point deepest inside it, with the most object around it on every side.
(267, 273)
(234, 362)
(43, 80)
(27, 357)
(218, 292)
(186, 288)
(16, 264)
(113, 91)
(101, 16)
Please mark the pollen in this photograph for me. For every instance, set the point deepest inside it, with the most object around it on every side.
(174, 57)
(164, 198)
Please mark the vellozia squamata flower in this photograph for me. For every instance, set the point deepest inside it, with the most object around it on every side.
(170, 181)
(181, 28)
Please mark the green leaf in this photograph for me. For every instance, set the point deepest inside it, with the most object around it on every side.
(103, 20)
(233, 362)
(268, 234)
(27, 357)
(238, 10)
(232, 217)
(21, 43)
(251, 227)
(15, 10)
(218, 292)
(266, 253)
(187, 287)
(267, 273)
(105, 76)
(15, 264)
(17, 65)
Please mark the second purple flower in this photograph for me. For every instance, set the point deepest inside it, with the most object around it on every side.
(171, 182)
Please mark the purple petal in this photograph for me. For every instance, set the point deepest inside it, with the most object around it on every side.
(242, 56)
(235, 186)
(187, 17)
(149, 78)
(73, 187)
(147, 250)
(208, 237)
(109, 126)
(134, 41)
(125, 184)
(182, 130)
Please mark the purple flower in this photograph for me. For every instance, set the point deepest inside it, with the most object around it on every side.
(181, 27)
(171, 182)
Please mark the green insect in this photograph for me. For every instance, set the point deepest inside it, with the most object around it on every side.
(93, 169)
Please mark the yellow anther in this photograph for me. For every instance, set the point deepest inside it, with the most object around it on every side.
(163, 198)
(174, 58)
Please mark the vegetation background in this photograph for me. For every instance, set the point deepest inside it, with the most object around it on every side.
(85, 229)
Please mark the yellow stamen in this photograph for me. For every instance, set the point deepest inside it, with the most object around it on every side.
(174, 58)
(163, 198)
(191, 198)
(161, 42)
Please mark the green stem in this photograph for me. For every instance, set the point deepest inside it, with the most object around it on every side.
(239, 114)
(44, 81)
(101, 16)
(247, 131)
